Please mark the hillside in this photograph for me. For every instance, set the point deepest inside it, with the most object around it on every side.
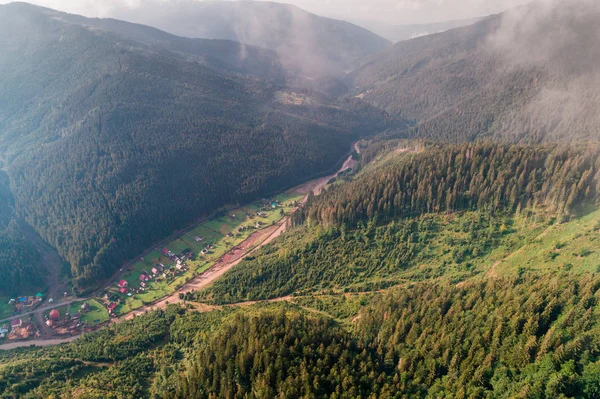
(526, 75)
(111, 144)
(310, 45)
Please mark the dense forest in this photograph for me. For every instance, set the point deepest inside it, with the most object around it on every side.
(19, 260)
(527, 75)
(483, 176)
(427, 339)
(131, 142)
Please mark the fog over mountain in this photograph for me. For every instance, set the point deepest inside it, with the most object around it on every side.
(390, 12)
(529, 74)
(307, 44)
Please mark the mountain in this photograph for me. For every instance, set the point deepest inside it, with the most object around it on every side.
(225, 55)
(526, 75)
(112, 141)
(483, 300)
(308, 44)
(398, 33)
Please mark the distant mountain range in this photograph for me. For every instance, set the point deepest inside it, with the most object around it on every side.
(397, 33)
(529, 74)
(308, 44)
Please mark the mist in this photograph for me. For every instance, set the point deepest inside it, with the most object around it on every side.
(393, 12)
(560, 40)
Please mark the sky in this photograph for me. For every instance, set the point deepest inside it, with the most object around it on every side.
(392, 12)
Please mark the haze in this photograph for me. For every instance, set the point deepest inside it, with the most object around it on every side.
(392, 12)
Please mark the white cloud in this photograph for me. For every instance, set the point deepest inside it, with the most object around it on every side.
(389, 11)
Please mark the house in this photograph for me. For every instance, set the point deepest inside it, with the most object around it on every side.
(49, 323)
(154, 270)
(142, 284)
(12, 301)
(4, 329)
(85, 307)
(123, 284)
(123, 290)
(112, 307)
(197, 239)
(143, 277)
(165, 251)
(16, 323)
(54, 315)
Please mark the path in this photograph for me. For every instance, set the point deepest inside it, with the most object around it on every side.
(37, 342)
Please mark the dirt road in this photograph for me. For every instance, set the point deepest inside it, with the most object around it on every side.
(37, 342)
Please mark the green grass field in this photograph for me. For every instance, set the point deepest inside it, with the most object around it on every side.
(213, 232)
(571, 246)
(96, 315)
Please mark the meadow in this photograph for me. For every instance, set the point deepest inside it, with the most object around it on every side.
(215, 237)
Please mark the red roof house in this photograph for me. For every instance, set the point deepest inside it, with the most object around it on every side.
(16, 323)
(123, 290)
(165, 251)
(123, 283)
(142, 284)
(112, 307)
(154, 270)
(54, 314)
(143, 277)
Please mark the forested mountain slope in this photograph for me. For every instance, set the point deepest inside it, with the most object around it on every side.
(308, 44)
(541, 340)
(19, 261)
(111, 144)
(447, 212)
(526, 75)
(224, 55)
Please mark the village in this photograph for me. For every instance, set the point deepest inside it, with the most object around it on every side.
(156, 275)
(166, 268)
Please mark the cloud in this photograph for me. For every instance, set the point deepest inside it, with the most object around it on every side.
(389, 11)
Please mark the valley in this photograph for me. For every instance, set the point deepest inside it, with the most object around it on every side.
(227, 240)
(276, 204)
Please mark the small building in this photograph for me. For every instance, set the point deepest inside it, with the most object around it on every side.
(165, 251)
(54, 315)
(123, 284)
(4, 329)
(12, 301)
(85, 307)
(50, 323)
(123, 290)
(143, 277)
(197, 239)
(142, 284)
(16, 323)
(154, 270)
(111, 307)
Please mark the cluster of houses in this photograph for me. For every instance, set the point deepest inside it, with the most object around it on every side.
(69, 323)
(25, 303)
(19, 330)
(158, 272)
